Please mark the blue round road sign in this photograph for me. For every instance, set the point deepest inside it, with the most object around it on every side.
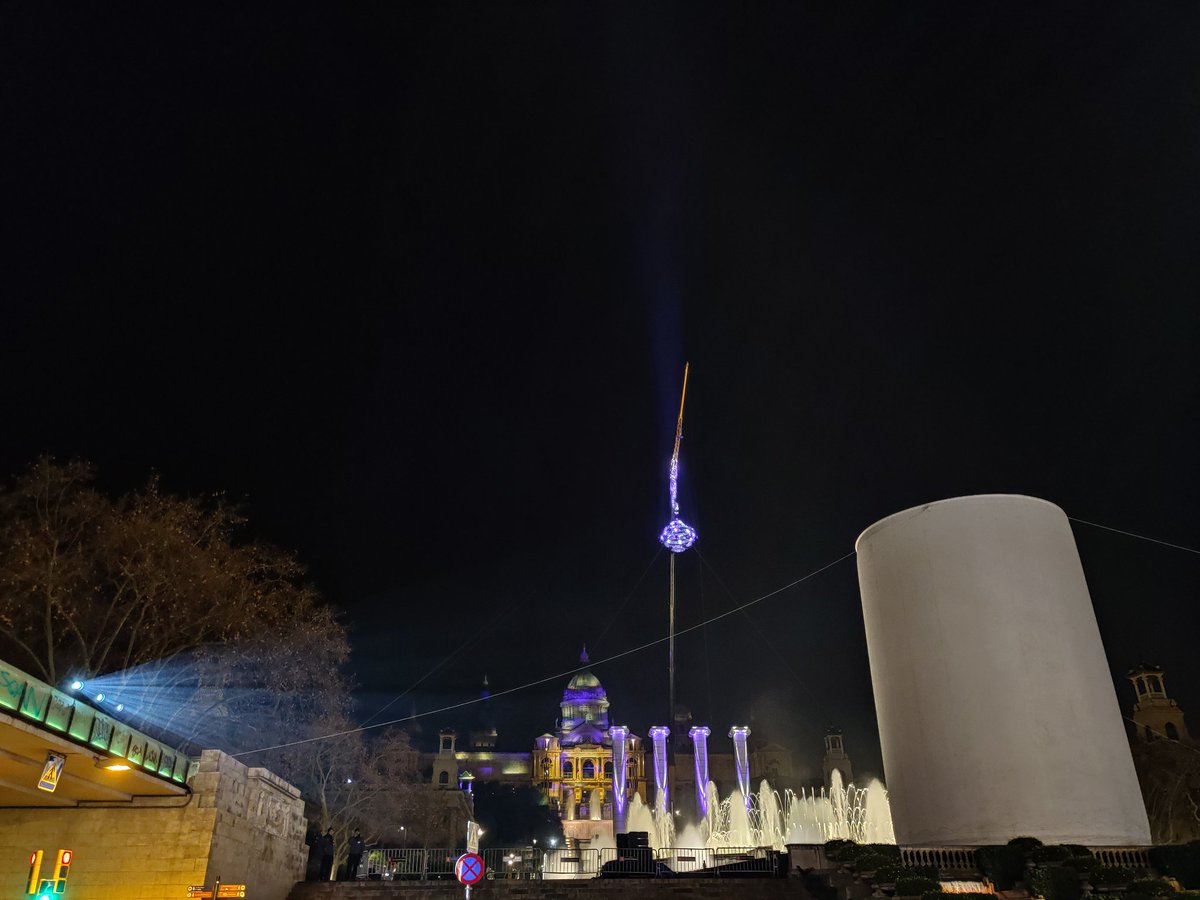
(469, 868)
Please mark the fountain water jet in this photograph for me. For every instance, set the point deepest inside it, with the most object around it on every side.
(699, 735)
(741, 759)
(662, 803)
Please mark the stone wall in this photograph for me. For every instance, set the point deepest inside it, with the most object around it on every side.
(244, 825)
(589, 889)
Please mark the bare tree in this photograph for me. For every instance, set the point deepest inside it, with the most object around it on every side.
(210, 640)
(194, 627)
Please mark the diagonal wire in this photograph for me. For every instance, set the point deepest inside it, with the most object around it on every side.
(559, 675)
(1140, 537)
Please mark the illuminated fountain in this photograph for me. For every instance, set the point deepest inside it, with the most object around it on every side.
(762, 818)
(620, 734)
(741, 760)
(699, 735)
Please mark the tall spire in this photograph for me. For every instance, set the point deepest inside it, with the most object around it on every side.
(583, 657)
(678, 535)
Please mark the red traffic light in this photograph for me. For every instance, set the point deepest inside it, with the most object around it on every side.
(66, 858)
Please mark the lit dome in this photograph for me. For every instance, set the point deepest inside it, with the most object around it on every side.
(584, 707)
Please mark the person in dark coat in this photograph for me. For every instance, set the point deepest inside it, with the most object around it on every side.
(327, 848)
(355, 856)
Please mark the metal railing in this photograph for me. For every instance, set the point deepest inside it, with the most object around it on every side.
(565, 863)
(400, 864)
(726, 862)
(723, 863)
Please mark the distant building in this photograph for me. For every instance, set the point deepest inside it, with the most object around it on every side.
(1167, 764)
(836, 759)
(572, 765)
(1156, 716)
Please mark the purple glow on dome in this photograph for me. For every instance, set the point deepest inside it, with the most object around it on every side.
(678, 536)
(584, 695)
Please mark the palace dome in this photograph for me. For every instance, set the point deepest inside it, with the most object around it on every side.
(584, 708)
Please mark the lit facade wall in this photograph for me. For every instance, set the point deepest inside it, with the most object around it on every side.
(997, 712)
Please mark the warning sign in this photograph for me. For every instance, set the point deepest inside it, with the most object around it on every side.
(51, 772)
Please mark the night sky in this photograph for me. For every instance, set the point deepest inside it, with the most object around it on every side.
(417, 282)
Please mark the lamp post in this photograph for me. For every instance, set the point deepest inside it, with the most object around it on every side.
(677, 537)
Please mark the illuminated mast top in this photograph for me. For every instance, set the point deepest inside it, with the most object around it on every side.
(678, 535)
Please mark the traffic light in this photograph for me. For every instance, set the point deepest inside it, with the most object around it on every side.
(62, 868)
(35, 870)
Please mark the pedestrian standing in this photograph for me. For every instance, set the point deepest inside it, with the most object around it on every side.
(327, 848)
(356, 851)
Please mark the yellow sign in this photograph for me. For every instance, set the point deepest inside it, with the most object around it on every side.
(51, 772)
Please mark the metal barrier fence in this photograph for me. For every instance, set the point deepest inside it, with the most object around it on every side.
(401, 865)
(516, 862)
(565, 863)
(728, 861)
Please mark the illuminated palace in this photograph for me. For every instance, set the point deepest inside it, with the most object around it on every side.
(572, 767)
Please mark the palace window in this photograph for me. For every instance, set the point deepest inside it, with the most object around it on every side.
(589, 769)
(568, 769)
(608, 768)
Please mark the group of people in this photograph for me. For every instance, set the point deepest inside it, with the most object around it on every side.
(324, 847)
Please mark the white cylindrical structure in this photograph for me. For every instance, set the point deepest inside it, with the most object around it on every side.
(997, 712)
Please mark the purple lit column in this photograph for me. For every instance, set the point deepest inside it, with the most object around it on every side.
(699, 736)
(619, 733)
(658, 734)
(741, 759)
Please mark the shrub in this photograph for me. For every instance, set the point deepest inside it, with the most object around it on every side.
(1004, 866)
(1113, 875)
(1056, 883)
(1025, 844)
(872, 862)
(1181, 861)
(1150, 887)
(835, 848)
(1051, 854)
(891, 851)
(1084, 865)
(910, 886)
(892, 873)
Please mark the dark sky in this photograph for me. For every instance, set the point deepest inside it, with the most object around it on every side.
(417, 281)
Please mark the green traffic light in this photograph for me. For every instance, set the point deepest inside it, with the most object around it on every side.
(45, 897)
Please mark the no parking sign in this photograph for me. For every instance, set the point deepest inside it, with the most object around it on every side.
(469, 868)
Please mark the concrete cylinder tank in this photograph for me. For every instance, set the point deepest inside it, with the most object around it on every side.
(997, 712)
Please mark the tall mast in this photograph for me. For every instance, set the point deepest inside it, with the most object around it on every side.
(677, 537)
